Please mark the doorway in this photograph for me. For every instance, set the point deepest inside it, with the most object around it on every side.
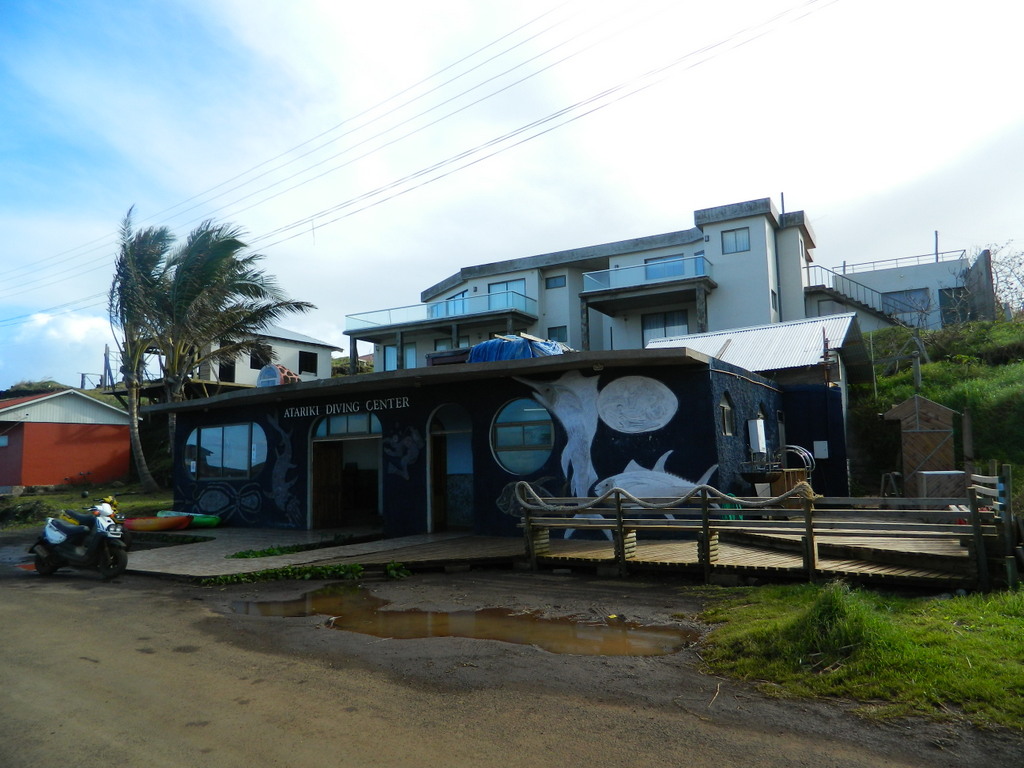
(346, 472)
(451, 470)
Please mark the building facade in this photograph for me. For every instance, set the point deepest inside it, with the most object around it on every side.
(741, 265)
(63, 438)
(442, 447)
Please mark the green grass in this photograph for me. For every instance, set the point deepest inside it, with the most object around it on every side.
(32, 509)
(956, 658)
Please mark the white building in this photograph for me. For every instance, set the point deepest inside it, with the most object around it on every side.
(304, 356)
(744, 264)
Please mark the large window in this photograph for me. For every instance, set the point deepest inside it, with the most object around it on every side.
(236, 451)
(736, 240)
(508, 294)
(955, 305)
(442, 345)
(522, 436)
(906, 304)
(662, 325)
(308, 362)
(391, 357)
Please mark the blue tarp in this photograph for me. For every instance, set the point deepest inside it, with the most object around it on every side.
(512, 349)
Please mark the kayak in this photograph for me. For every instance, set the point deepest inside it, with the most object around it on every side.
(197, 519)
(175, 523)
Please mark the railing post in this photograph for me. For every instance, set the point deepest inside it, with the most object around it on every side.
(620, 536)
(810, 546)
(704, 544)
(980, 556)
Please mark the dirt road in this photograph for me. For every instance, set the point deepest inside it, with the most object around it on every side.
(144, 672)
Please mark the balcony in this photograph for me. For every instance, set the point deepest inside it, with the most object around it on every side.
(670, 281)
(465, 311)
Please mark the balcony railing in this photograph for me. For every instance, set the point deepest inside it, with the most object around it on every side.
(906, 306)
(902, 261)
(647, 274)
(463, 306)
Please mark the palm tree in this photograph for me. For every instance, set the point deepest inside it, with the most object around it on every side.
(138, 270)
(212, 304)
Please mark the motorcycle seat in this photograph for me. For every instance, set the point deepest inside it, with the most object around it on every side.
(84, 518)
(73, 532)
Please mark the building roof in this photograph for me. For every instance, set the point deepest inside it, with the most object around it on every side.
(283, 334)
(68, 406)
(781, 346)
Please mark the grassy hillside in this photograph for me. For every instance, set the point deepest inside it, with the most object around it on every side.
(977, 367)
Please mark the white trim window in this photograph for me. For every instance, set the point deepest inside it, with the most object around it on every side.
(736, 240)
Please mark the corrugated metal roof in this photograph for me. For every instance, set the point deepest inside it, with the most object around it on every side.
(68, 406)
(778, 346)
(277, 332)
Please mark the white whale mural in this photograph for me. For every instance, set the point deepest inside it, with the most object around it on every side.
(654, 482)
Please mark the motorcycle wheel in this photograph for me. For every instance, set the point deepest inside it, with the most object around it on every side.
(44, 567)
(113, 562)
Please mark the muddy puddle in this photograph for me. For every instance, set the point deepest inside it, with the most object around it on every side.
(354, 609)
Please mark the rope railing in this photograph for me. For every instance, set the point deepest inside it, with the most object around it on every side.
(529, 499)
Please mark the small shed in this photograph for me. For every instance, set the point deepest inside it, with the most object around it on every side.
(61, 438)
(929, 461)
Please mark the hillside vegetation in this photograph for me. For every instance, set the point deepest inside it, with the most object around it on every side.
(975, 367)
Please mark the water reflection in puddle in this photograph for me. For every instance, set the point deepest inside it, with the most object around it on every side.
(356, 610)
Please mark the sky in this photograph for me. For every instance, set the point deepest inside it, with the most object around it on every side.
(370, 150)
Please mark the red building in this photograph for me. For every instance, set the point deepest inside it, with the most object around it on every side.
(61, 438)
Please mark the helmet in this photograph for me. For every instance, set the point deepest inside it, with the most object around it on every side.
(103, 509)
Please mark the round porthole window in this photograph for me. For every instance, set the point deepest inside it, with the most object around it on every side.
(522, 436)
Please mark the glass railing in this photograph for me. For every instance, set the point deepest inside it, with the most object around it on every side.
(647, 274)
(438, 310)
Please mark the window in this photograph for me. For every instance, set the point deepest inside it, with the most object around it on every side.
(226, 371)
(441, 345)
(234, 451)
(726, 415)
(508, 294)
(453, 306)
(736, 240)
(522, 436)
(308, 362)
(954, 305)
(557, 281)
(3, 441)
(903, 303)
(661, 325)
(558, 333)
(347, 425)
(391, 357)
(663, 267)
(258, 360)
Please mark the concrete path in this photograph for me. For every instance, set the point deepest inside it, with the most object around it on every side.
(208, 559)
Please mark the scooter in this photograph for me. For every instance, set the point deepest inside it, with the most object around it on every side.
(93, 541)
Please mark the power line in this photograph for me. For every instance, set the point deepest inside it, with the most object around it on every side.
(476, 154)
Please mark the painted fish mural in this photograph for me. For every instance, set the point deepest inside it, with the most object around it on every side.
(654, 482)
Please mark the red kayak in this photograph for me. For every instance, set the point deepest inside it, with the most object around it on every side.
(157, 523)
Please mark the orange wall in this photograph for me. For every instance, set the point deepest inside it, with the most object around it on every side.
(10, 456)
(53, 454)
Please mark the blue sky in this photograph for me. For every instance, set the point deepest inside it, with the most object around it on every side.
(311, 124)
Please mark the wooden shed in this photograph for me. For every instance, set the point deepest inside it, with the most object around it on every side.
(929, 458)
(61, 438)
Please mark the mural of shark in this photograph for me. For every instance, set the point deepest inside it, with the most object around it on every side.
(654, 482)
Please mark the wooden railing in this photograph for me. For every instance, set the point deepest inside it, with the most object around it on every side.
(708, 513)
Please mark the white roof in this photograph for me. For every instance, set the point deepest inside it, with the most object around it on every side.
(777, 346)
(277, 332)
